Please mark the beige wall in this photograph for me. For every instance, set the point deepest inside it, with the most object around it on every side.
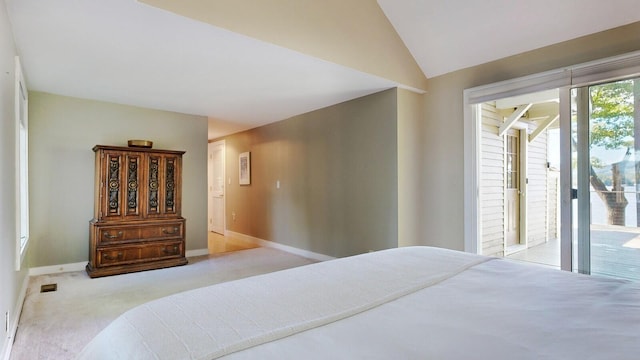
(11, 281)
(443, 167)
(63, 130)
(338, 176)
(354, 33)
(410, 155)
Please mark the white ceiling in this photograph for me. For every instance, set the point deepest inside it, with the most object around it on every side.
(126, 52)
(129, 53)
(448, 35)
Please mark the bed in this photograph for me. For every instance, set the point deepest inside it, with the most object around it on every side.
(405, 303)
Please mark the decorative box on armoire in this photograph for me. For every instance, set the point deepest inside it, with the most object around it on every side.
(137, 223)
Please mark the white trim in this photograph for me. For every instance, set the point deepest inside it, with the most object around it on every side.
(472, 142)
(513, 118)
(56, 269)
(197, 252)
(13, 321)
(542, 127)
(290, 249)
(519, 86)
(583, 132)
(21, 107)
(606, 70)
(80, 266)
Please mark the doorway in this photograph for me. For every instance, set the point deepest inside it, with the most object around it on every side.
(518, 185)
(216, 188)
(576, 190)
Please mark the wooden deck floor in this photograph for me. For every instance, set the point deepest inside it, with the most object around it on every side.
(615, 252)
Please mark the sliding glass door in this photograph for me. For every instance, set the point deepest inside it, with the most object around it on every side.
(598, 146)
(605, 136)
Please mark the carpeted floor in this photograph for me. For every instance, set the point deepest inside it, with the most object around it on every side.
(57, 325)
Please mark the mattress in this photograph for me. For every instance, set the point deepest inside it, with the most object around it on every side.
(410, 303)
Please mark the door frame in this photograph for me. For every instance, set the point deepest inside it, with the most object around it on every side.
(523, 155)
(210, 146)
(606, 69)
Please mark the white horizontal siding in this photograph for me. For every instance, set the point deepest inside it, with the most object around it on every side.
(492, 183)
(537, 191)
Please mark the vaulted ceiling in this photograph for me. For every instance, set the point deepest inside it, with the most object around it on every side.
(245, 63)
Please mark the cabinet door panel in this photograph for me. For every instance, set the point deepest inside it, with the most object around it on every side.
(133, 180)
(154, 163)
(112, 185)
(164, 185)
(172, 185)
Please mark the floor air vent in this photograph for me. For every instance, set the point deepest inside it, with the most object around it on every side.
(48, 288)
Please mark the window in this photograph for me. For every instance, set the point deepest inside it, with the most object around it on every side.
(22, 173)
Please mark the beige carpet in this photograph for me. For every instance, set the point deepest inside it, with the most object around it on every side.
(57, 325)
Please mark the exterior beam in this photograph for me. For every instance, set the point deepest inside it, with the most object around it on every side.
(542, 127)
(515, 116)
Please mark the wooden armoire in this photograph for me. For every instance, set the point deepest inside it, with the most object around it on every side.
(137, 222)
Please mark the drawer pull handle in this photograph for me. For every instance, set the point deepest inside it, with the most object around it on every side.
(171, 231)
(170, 252)
(109, 257)
(109, 236)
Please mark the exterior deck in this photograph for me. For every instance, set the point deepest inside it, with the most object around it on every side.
(615, 252)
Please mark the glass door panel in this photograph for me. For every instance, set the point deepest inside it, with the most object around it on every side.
(607, 177)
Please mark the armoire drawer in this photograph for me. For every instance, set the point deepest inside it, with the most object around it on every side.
(134, 233)
(111, 256)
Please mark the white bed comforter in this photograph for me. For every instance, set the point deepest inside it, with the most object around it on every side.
(409, 303)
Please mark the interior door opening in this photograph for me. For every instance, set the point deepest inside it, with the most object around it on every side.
(216, 188)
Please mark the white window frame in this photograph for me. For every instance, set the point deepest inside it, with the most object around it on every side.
(608, 69)
(22, 164)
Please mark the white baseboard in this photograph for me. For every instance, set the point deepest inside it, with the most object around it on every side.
(13, 321)
(80, 266)
(290, 249)
(197, 252)
(55, 269)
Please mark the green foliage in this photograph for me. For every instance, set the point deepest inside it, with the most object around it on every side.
(612, 114)
(597, 163)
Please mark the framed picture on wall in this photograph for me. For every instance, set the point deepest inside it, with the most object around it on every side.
(245, 168)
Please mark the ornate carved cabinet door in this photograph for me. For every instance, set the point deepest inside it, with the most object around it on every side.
(164, 184)
(133, 179)
(111, 184)
(119, 180)
(154, 186)
(171, 196)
